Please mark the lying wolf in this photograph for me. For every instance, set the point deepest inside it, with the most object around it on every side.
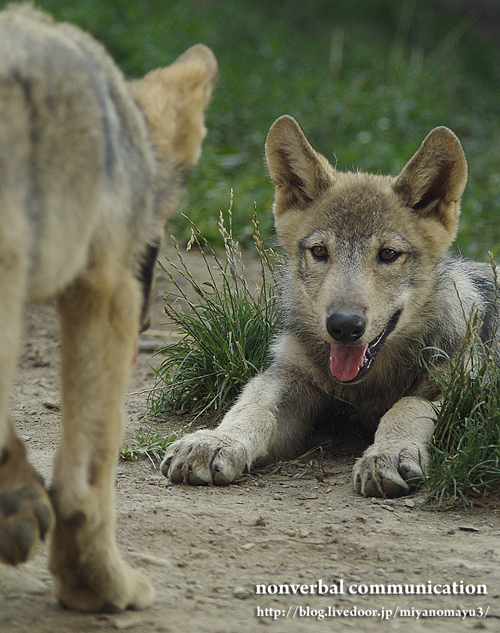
(91, 166)
(369, 290)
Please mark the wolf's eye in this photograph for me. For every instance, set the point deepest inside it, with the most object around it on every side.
(388, 255)
(319, 252)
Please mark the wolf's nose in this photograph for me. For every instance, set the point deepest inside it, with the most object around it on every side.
(345, 327)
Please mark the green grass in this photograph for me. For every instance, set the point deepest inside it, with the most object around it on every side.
(366, 80)
(465, 455)
(151, 445)
(225, 328)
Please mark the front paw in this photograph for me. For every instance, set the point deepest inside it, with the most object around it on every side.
(388, 471)
(205, 457)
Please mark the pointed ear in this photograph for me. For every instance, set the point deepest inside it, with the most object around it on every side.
(434, 179)
(173, 100)
(299, 172)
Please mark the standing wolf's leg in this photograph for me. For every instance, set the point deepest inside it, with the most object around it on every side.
(399, 453)
(25, 509)
(274, 413)
(99, 325)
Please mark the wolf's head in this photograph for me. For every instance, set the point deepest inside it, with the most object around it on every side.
(363, 248)
(173, 100)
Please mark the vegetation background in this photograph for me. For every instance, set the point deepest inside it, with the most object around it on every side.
(366, 80)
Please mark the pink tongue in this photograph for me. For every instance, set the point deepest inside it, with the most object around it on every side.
(346, 361)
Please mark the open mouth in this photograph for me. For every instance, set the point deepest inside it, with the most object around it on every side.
(350, 363)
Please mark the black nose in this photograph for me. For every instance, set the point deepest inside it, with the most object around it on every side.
(345, 327)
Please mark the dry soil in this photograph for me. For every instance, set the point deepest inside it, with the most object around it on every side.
(206, 549)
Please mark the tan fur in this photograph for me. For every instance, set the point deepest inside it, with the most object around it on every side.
(91, 169)
(368, 291)
(175, 116)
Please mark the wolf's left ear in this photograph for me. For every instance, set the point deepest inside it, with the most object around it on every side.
(173, 100)
(434, 179)
(299, 172)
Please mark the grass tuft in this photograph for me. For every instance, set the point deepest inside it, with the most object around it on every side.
(465, 456)
(226, 330)
(151, 445)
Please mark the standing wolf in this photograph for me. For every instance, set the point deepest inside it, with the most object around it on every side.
(91, 166)
(368, 290)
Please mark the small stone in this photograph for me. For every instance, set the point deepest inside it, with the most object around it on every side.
(128, 622)
(157, 561)
(242, 593)
(201, 554)
(467, 528)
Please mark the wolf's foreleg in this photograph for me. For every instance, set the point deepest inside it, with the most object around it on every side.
(99, 324)
(273, 414)
(399, 454)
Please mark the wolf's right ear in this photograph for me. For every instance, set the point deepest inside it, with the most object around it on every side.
(173, 100)
(434, 179)
(299, 172)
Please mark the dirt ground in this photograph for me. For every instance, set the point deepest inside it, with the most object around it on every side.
(205, 549)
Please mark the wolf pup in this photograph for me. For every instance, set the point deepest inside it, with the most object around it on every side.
(368, 289)
(91, 166)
